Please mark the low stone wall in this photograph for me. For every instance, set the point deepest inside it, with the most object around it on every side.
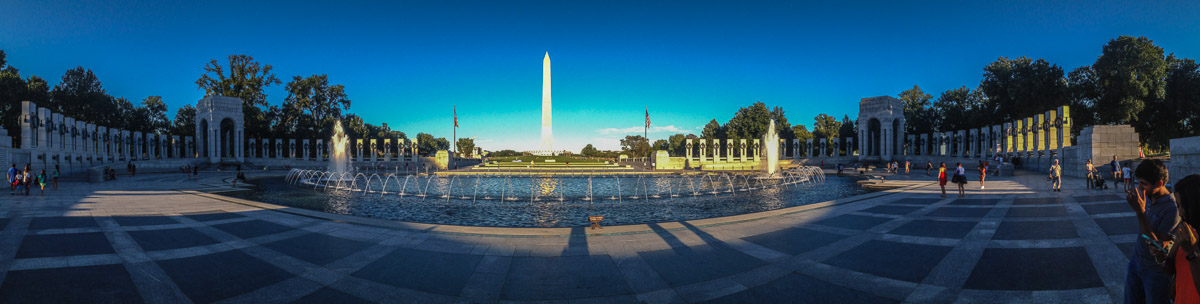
(1185, 158)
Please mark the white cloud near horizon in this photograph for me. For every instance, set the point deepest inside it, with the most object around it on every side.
(639, 129)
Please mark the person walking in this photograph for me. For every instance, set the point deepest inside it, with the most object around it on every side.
(1055, 177)
(54, 177)
(983, 167)
(907, 165)
(942, 178)
(1116, 172)
(12, 179)
(960, 178)
(1184, 258)
(1146, 280)
(28, 181)
(928, 166)
(41, 180)
(1126, 175)
(196, 171)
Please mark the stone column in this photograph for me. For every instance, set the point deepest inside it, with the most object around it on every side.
(824, 143)
(306, 146)
(291, 149)
(728, 149)
(412, 148)
(322, 152)
(28, 122)
(254, 146)
(1052, 130)
(808, 148)
(278, 148)
(373, 149)
(387, 149)
(755, 150)
(923, 147)
(795, 148)
(174, 146)
(742, 149)
(1039, 124)
(910, 144)
(1064, 129)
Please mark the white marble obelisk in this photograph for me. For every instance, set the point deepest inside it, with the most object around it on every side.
(547, 131)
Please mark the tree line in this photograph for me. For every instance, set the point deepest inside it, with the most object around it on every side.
(309, 110)
(1132, 82)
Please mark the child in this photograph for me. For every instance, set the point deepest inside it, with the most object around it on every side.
(19, 182)
(1126, 175)
(983, 167)
(41, 180)
(54, 177)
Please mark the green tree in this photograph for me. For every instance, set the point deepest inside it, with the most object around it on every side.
(661, 144)
(589, 151)
(426, 144)
(14, 90)
(635, 146)
(781, 124)
(802, 133)
(81, 96)
(713, 130)
(312, 107)
(1083, 92)
(247, 79)
(677, 144)
(466, 146)
(750, 122)
(960, 109)
(919, 118)
(825, 128)
(155, 112)
(1019, 88)
(1178, 113)
(185, 121)
(1130, 72)
(849, 129)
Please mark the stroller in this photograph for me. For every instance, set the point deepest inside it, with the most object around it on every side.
(1098, 181)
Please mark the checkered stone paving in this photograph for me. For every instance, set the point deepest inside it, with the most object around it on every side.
(164, 239)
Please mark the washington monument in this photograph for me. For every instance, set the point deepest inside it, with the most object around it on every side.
(547, 130)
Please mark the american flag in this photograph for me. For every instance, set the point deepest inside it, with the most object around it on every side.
(455, 117)
(647, 117)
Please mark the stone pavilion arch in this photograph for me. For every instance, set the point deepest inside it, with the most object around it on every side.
(219, 129)
(880, 129)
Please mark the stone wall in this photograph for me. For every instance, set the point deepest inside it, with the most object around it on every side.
(1185, 158)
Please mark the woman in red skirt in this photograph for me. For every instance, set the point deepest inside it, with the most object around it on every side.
(942, 178)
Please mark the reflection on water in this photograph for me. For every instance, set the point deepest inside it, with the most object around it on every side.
(559, 202)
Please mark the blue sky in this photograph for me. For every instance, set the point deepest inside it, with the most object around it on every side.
(407, 63)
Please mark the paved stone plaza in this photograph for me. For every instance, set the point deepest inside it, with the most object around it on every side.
(164, 239)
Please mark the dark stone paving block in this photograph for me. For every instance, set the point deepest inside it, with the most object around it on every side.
(1098, 198)
(1107, 208)
(57, 245)
(252, 228)
(1127, 248)
(4, 223)
(1038, 201)
(562, 278)
(851, 221)
(153, 240)
(959, 212)
(686, 265)
(794, 240)
(212, 216)
(89, 284)
(58, 222)
(932, 228)
(1036, 230)
(1049, 211)
(317, 248)
(916, 201)
(798, 288)
(330, 295)
(144, 220)
(901, 261)
(217, 276)
(435, 272)
(1034, 269)
(973, 201)
(896, 210)
(1118, 225)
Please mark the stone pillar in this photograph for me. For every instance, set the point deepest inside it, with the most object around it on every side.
(28, 122)
(321, 151)
(412, 147)
(373, 149)
(173, 146)
(728, 149)
(1039, 125)
(387, 149)
(1052, 130)
(255, 146)
(703, 150)
(795, 149)
(1064, 128)
(278, 148)
(291, 148)
(687, 153)
(824, 143)
(923, 147)
(755, 150)
(808, 148)
(742, 149)
(305, 146)
(972, 139)
(910, 145)
(188, 146)
(86, 142)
